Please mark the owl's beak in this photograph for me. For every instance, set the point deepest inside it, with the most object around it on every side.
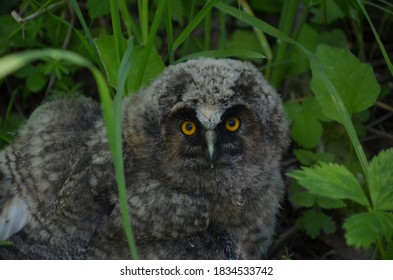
(211, 139)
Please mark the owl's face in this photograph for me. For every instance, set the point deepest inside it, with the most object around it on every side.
(217, 114)
(209, 136)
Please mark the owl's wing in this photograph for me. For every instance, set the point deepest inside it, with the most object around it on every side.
(47, 170)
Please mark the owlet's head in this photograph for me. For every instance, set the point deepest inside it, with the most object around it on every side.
(217, 113)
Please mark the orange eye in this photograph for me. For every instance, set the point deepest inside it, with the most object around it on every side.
(232, 124)
(188, 128)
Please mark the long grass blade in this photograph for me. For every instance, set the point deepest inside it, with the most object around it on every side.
(381, 46)
(117, 34)
(82, 21)
(169, 33)
(117, 151)
(336, 99)
(193, 24)
(150, 40)
(243, 54)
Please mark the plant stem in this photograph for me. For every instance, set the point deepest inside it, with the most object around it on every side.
(169, 34)
(143, 7)
(21, 20)
(261, 38)
(286, 22)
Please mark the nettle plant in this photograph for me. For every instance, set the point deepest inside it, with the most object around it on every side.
(367, 191)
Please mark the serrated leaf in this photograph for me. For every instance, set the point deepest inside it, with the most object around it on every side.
(307, 199)
(313, 222)
(304, 199)
(331, 180)
(355, 82)
(364, 229)
(381, 180)
(307, 157)
(329, 203)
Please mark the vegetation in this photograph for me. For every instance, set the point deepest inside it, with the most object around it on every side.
(329, 60)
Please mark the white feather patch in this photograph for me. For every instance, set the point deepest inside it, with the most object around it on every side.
(13, 218)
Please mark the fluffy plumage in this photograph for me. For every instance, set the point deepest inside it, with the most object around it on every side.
(202, 151)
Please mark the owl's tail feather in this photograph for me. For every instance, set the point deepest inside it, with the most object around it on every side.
(13, 217)
(13, 208)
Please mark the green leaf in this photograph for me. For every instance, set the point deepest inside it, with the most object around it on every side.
(306, 130)
(97, 8)
(292, 108)
(313, 222)
(381, 180)
(355, 82)
(35, 81)
(329, 203)
(307, 157)
(154, 64)
(243, 54)
(307, 199)
(327, 14)
(177, 10)
(193, 24)
(331, 180)
(364, 229)
(107, 54)
(308, 38)
(244, 40)
(149, 50)
(304, 199)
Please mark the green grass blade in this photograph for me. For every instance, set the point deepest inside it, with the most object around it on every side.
(143, 10)
(193, 24)
(131, 26)
(169, 33)
(222, 42)
(381, 46)
(13, 62)
(81, 37)
(117, 151)
(243, 54)
(286, 22)
(190, 16)
(119, 46)
(78, 13)
(336, 99)
(150, 40)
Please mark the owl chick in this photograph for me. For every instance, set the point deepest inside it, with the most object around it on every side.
(202, 149)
